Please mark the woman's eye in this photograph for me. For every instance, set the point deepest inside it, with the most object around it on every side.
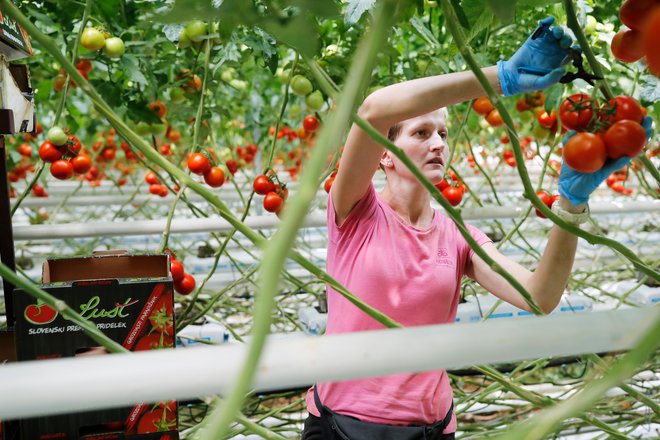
(443, 134)
(420, 132)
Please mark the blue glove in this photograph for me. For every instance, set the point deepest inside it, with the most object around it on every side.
(577, 186)
(538, 63)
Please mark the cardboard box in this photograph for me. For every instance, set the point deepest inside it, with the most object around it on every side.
(130, 299)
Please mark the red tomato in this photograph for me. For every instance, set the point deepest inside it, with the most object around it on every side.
(650, 42)
(576, 111)
(262, 185)
(156, 189)
(198, 163)
(48, 152)
(273, 202)
(25, 150)
(511, 161)
(624, 138)
(547, 120)
(442, 185)
(39, 191)
(494, 118)
(310, 123)
(151, 178)
(61, 169)
(232, 166)
(214, 177)
(482, 106)
(186, 285)
(84, 65)
(621, 107)
(328, 184)
(81, 163)
(627, 46)
(634, 13)
(453, 195)
(585, 152)
(522, 105)
(547, 200)
(176, 267)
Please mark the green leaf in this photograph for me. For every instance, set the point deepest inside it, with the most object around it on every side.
(553, 95)
(186, 10)
(300, 32)
(109, 91)
(650, 89)
(321, 8)
(355, 9)
(43, 90)
(423, 31)
(129, 65)
(504, 9)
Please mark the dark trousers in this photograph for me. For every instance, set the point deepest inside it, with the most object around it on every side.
(313, 430)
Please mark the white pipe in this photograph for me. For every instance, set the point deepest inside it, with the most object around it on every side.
(314, 220)
(58, 386)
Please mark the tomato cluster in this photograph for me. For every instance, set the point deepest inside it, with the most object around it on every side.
(64, 154)
(641, 39)
(453, 191)
(274, 191)
(612, 130)
(198, 163)
(184, 283)
(547, 199)
(483, 107)
(94, 39)
(615, 182)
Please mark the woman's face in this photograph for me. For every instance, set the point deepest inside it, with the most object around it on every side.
(424, 140)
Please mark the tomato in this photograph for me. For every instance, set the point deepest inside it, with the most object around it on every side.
(634, 13)
(177, 95)
(301, 85)
(39, 191)
(547, 120)
(442, 185)
(511, 161)
(154, 341)
(650, 42)
(314, 100)
(196, 30)
(61, 169)
(232, 166)
(624, 138)
(547, 200)
(81, 163)
(535, 99)
(186, 285)
(627, 46)
(621, 107)
(156, 189)
(92, 39)
(176, 267)
(328, 184)
(576, 112)
(482, 106)
(174, 136)
(522, 105)
(114, 47)
(198, 163)
(49, 152)
(262, 185)
(158, 108)
(494, 118)
(453, 195)
(151, 178)
(156, 421)
(554, 168)
(310, 123)
(25, 150)
(585, 152)
(84, 66)
(214, 177)
(57, 136)
(108, 154)
(273, 202)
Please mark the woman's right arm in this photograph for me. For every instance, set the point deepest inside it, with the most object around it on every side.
(383, 109)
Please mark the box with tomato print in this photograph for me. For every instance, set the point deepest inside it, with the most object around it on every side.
(130, 299)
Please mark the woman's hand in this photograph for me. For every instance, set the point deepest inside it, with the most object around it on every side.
(539, 63)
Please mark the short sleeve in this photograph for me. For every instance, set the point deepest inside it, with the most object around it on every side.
(364, 210)
(479, 237)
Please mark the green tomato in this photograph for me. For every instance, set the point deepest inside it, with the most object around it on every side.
(228, 74)
(142, 128)
(590, 27)
(196, 30)
(184, 40)
(92, 39)
(282, 74)
(177, 95)
(314, 100)
(540, 133)
(57, 136)
(526, 116)
(158, 129)
(238, 84)
(114, 47)
(422, 65)
(294, 111)
(301, 85)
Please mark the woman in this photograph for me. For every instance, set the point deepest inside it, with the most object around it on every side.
(406, 259)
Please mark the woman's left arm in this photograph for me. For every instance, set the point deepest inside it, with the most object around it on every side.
(546, 284)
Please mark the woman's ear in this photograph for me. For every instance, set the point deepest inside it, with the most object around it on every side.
(386, 160)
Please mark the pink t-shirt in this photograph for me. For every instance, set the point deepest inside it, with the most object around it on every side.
(411, 275)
